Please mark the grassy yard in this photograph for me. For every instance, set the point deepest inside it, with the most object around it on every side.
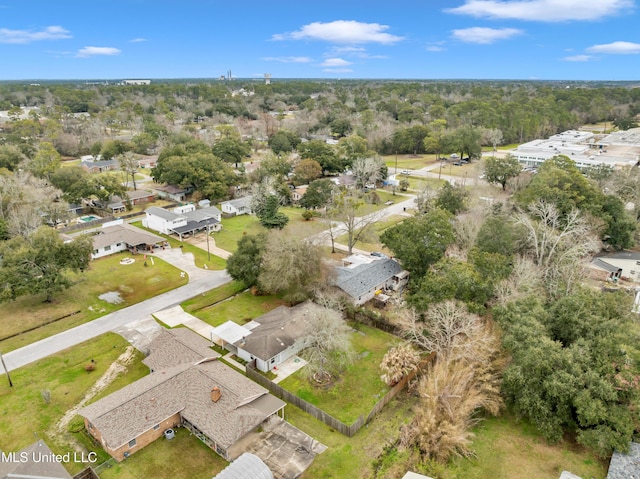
(80, 303)
(233, 229)
(358, 389)
(184, 457)
(408, 162)
(25, 414)
(507, 449)
(213, 296)
(373, 243)
(244, 307)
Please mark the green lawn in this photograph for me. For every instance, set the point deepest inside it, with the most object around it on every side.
(418, 183)
(233, 229)
(184, 457)
(213, 296)
(80, 303)
(359, 387)
(507, 449)
(408, 162)
(25, 414)
(243, 308)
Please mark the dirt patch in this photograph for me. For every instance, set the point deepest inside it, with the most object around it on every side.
(60, 429)
(111, 297)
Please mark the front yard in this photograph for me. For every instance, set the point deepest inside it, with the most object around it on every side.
(242, 309)
(80, 303)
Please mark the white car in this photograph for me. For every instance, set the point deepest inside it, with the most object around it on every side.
(405, 172)
(454, 156)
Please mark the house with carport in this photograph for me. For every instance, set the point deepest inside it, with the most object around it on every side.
(189, 387)
(183, 220)
(117, 236)
(270, 339)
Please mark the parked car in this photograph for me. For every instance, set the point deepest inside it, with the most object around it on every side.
(379, 255)
(457, 163)
(405, 172)
(454, 156)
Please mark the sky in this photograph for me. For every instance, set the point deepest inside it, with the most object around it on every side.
(347, 39)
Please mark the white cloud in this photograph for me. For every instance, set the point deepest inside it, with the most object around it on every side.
(342, 31)
(335, 62)
(287, 59)
(54, 32)
(542, 10)
(138, 40)
(578, 58)
(485, 35)
(616, 48)
(436, 46)
(93, 51)
(338, 70)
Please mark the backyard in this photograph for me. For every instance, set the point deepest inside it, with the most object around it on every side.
(359, 387)
(35, 319)
(243, 308)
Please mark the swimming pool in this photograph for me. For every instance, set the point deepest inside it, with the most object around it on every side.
(86, 219)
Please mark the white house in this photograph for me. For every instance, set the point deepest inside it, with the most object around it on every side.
(237, 207)
(270, 339)
(119, 236)
(183, 220)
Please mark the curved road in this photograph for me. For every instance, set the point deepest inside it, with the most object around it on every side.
(112, 321)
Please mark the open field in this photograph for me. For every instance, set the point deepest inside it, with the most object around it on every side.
(80, 303)
(408, 162)
(25, 414)
(359, 387)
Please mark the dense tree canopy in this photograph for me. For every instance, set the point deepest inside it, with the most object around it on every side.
(244, 264)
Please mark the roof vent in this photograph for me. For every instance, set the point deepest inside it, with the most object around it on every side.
(215, 394)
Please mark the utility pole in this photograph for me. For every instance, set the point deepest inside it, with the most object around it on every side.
(208, 253)
(6, 370)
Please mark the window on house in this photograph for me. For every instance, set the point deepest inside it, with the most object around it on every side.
(156, 427)
(107, 248)
(132, 443)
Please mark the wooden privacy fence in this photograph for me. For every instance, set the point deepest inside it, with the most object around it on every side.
(328, 419)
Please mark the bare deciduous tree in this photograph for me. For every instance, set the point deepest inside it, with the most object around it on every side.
(367, 170)
(557, 245)
(328, 343)
(345, 210)
(525, 279)
(398, 362)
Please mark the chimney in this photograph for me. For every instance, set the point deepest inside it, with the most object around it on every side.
(215, 394)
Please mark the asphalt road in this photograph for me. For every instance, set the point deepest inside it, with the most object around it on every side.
(112, 321)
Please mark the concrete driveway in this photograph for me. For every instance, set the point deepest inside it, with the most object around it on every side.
(284, 448)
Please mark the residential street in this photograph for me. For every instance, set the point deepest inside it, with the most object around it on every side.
(112, 321)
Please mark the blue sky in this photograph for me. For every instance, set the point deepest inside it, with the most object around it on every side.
(410, 39)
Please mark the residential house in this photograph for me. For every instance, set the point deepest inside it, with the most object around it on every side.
(298, 193)
(147, 161)
(270, 339)
(625, 465)
(172, 192)
(620, 264)
(183, 220)
(140, 196)
(237, 207)
(363, 277)
(94, 165)
(216, 403)
(34, 461)
(117, 236)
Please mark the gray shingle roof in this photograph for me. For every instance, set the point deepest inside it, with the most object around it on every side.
(602, 264)
(240, 202)
(278, 330)
(124, 233)
(360, 279)
(625, 466)
(31, 462)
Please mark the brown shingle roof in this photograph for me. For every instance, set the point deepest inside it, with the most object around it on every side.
(124, 233)
(178, 346)
(185, 388)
